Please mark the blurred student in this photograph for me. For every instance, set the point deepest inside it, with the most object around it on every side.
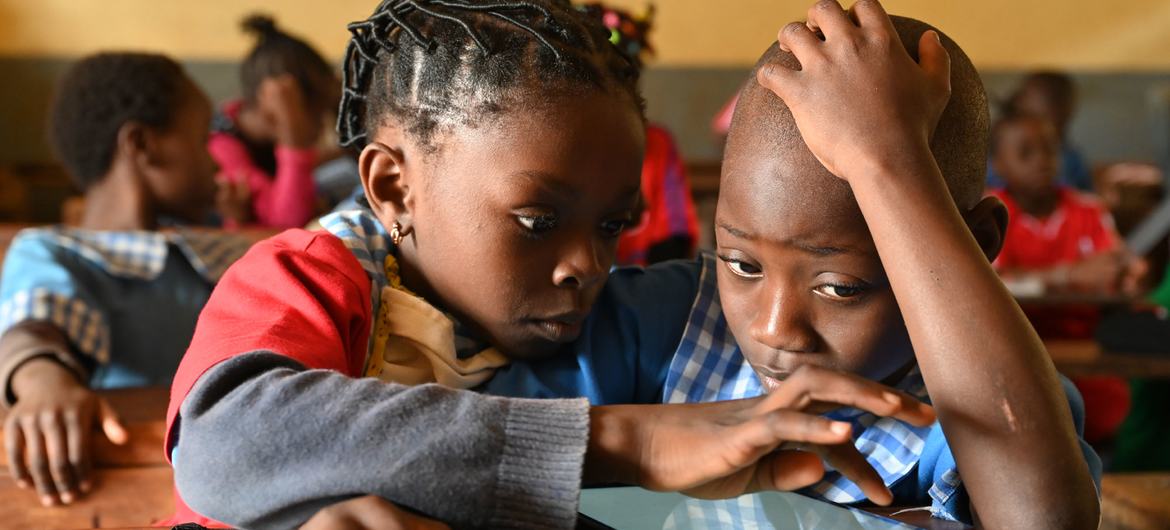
(668, 227)
(1065, 241)
(269, 139)
(1052, 97)
(112, 302)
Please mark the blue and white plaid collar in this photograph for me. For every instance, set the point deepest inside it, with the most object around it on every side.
(708, 366)
(142, 255)
(369, 242)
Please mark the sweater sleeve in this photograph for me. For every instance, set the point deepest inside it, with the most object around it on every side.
(283, 200)
(265, 443)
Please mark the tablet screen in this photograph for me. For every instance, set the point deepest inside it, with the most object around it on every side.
(639, 509)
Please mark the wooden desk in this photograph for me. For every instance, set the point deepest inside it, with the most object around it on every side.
(1135, 501)
(1085, 358)
(134, 484)
(143, 412)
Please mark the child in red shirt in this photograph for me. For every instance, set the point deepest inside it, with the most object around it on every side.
(1064, 241)
(268, 139)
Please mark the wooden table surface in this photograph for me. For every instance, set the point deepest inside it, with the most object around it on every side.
(1085, 357)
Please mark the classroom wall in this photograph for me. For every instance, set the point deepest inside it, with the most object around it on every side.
(1071, 34)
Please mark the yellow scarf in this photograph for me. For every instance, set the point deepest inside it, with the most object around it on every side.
(414, 343)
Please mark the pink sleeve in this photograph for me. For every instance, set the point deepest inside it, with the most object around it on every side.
(283, 201)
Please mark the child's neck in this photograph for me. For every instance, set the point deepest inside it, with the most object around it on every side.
(1037, 205)
(118, 202)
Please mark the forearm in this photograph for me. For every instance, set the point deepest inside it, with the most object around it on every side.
(287, 442)
(28, 342)
(287, 201)
(992, 383)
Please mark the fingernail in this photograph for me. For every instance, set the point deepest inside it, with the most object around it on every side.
(85, 486)
(67, 498)
(936, 36)
(46, 500)
(839, 427)
(892, 398)
(23, 483)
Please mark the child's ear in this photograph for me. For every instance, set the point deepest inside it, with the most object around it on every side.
(384, 178)
(133, 143)
(988, 223)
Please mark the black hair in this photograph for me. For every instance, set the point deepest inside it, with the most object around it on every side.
(278, 53)
(101, 93)
(435, 63)
(1056, 85)
(628, 32)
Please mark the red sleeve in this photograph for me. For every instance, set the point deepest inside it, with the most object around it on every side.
(281, 201)
(300, 294)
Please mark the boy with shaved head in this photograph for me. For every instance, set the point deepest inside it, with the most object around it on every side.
(853, 236)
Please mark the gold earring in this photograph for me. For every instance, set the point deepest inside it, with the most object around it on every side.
(396, 233)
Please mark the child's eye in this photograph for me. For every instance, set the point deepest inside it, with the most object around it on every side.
(835, 291)
(614, 228)
(537, 224)
(742, 268)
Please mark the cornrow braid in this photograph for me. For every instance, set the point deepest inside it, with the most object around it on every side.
(434, 63)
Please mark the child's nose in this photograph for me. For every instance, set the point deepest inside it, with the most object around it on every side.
(783, 322)
(580, 267)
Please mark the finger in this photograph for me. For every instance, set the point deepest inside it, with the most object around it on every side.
(381, 513)
(761, 434)
(846, 459)
(57, 449)
(829, 17)
(812, 384)
(78, 427)
(111, 425)
(934, 59)
(14, 445)
(788, 471)
(798, 40)
(38, 462)
(870, 15)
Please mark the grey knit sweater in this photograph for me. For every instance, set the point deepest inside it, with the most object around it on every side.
(264, 443)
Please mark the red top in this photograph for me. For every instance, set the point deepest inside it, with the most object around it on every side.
(283, 200)
(300, 294)
(1079, 227)
(670, 210)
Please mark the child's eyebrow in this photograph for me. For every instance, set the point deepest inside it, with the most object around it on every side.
(820, 250)
(553, 184)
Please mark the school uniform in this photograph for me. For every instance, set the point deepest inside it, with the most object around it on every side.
(126, 301)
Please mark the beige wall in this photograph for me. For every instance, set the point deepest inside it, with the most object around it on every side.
(998, 34)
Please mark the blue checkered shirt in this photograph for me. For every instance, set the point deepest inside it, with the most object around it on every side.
(126, 301)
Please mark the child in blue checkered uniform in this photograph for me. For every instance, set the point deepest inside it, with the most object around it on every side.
(113, 302)
(815, 273)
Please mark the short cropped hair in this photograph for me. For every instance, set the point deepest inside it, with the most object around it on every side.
(960, 141)
(101, 93)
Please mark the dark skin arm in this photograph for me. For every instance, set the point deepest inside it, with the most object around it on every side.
(992, 383)
(1105, 273)
(47, 433)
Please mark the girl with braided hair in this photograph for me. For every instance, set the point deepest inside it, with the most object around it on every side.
(501, 148)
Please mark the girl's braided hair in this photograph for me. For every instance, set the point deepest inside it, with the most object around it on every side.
(435, 63)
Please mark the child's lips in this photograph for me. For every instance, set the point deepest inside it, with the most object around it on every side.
(563, 328)
(771, 379)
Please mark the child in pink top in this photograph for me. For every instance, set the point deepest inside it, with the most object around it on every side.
(268, 138)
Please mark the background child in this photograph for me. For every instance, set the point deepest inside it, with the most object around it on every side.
(668, 227)
(1050, 96)
(269, 138)
(1066, 241)
(457, 260)
(80, 307)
